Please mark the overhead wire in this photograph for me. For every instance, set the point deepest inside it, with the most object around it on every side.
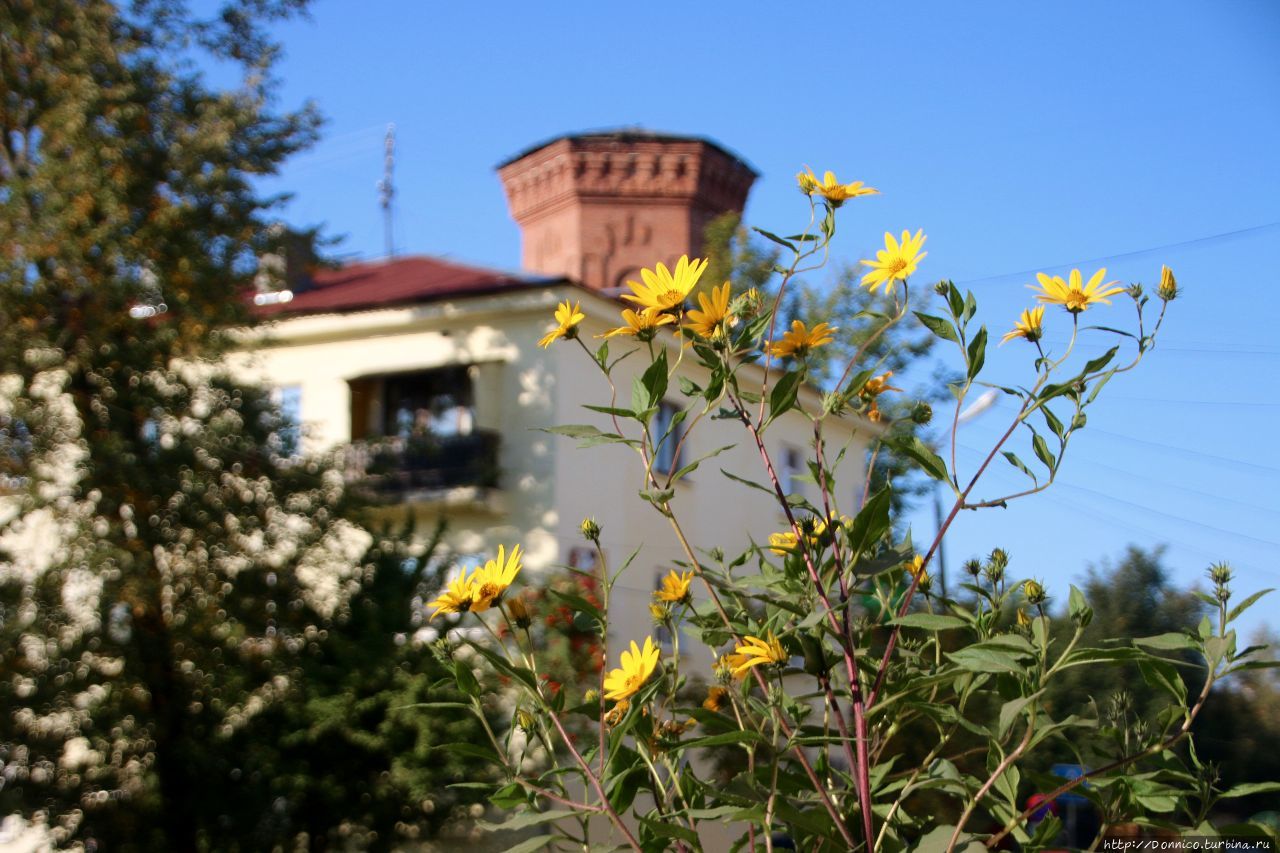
(1196, 241)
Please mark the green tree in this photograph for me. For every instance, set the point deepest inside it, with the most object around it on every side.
(164, 566)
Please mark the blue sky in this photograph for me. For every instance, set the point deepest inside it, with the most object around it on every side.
(1020, 136)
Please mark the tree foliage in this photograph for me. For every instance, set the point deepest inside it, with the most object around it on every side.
(196, 649)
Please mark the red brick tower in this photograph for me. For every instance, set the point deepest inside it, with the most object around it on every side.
(596, 207)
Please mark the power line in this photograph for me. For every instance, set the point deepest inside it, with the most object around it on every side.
(1002, 405)
(1226, 235)
(1170, 516)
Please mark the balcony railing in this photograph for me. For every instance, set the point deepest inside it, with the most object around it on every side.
(397, 468)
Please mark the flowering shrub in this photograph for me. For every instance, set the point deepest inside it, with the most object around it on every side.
(840, 648)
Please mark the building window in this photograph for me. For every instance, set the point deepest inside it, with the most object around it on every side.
(667, 432)
(287, 439)
(793, 468)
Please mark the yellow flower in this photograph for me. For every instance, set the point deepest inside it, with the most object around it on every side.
(567, 318)
(615, 715)
(831, 189)
(715, 310)
(1168, 289)
(717, 699)
(457, 597)
(877, 385)
(643, 325)
(663, 290)
(675, 588)
(755, 651)
(783, 543)
(896, 261)
(1024, 621)
(1030, 326)
(637, 665)
(800, 340)
(1073, 295)
(491, 581)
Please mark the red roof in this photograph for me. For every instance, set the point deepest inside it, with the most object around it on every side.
(399, 281)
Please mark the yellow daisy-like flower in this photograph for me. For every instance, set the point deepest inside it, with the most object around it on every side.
(662, 289)
(458, 597)
(896, 261)
(492, 580)
(1072, 294)
(675, 587)
(801, 339)
(755, 651)
(717, 699)
(642, 325)
(783, 543)
(715, 310)
(637, 665)
(567, 319)
(917, 570)
(1030, 326)
(830, 188)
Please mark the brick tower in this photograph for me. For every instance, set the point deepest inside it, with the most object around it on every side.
(596, 207)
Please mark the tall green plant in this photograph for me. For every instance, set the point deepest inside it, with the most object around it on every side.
(882, 657)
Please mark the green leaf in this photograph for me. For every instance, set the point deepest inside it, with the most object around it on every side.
(1041, 447)
(939, 326)
(624, 787)
(1246, 604)
(1077, 608)
(1020, 465)
(775, 238)
(508, 796)
(648, 389)
(1162, 674)
(1166, 642)
(1010, 710)
(588, 435)
(1098, 385)
(1250, 788)
(616, 412)
(754, 485)
(466, 680)
(538, 842)
(917, 450)
(1052, 420)
(693, 466)
(471, 750)
(526, 820)
(970, 307)
(978, 659)
(929, 621)
(954, 300)
(977, 352)
(1094, 365)
(782, 397)
(871, 523)
(724, 739)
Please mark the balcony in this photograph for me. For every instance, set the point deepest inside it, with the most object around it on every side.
(451, 470)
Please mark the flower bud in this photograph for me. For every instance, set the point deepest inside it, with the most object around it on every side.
(591, 530)
(921, 413)
(1220, 574)
(660, 612)
(1024, 621)
(807, 182)
(525, 720)
(519, 613)
(1034, 591)
(1168, 290)
(1135, 291)
(942, 288)
(973, 567)
(591, 697)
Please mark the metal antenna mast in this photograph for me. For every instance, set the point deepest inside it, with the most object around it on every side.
(386, 190)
